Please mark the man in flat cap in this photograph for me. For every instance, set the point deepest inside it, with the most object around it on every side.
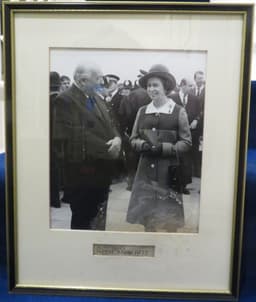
(113, 98)
(91, 143)
(112, 81)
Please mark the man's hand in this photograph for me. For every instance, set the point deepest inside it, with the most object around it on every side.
(193, 125)
(114, 147)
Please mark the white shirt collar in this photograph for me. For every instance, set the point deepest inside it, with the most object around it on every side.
(183, 97)
(199, 88)
(114, 92)
(167, 108)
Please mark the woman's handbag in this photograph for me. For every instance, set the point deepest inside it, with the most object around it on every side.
(175, 175)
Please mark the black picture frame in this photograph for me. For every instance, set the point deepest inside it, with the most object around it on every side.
(10, 10)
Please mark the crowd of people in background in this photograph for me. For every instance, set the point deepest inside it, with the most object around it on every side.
(123, 101)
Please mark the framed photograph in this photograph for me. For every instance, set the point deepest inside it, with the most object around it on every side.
(126, 147)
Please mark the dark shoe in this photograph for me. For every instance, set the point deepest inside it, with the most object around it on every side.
(64, 200)
(129, 188)
(56, 205)
(186, 191)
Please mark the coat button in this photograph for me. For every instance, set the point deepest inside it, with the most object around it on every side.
(152, 166)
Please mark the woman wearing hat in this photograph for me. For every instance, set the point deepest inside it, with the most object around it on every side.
(160, 135)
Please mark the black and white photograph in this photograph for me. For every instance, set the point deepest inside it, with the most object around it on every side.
(126, 139)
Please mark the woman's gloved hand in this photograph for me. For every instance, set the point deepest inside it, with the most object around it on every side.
(156, 150)
(145, 148)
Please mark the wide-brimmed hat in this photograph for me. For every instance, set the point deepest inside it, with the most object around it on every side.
(162, 72)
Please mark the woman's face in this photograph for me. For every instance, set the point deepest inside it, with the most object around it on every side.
(155, 89)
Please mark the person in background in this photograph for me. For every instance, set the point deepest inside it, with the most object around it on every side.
(91, 143)
(126, 88)
(113, 97)
(129, 107)
(192, 106)
(160, 135)
(54, 169)
(111, 85)
(199, 91)
(131, 103)
(136, 84)
(64, 83)
(199, 87)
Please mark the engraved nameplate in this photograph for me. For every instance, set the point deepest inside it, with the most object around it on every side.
(124, 250)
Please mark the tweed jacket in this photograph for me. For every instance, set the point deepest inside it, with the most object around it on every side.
(80, 133)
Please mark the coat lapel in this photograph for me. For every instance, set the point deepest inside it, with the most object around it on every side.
(103, 109)
(101, 118)
(79, 100)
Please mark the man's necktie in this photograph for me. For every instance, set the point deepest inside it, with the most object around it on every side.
(90, 102)
(184, 101)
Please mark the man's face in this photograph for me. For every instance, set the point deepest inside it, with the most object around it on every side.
(90, 82)
(125, 91)
(112, 86)
(186, 88)
(199, 79)
(65, 84)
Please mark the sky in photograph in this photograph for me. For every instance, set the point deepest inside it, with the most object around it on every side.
(127, 63)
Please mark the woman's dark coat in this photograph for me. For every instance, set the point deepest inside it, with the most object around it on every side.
(153, 202)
